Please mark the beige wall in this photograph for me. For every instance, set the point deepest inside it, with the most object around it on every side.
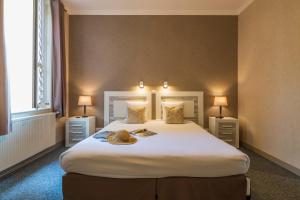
(116, 52)
(269, 78)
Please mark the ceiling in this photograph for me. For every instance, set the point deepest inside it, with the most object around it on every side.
(156, 7)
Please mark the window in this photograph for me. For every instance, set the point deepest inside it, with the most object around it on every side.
(27, 26)
(43, 54)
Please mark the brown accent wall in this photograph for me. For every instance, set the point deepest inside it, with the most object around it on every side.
(269, 78)
(116, 52)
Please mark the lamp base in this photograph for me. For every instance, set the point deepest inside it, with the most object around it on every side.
(84, 112)
(220, 115)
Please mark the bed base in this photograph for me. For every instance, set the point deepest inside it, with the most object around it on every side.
(78, 187)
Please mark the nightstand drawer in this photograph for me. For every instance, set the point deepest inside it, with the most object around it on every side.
(77, 136)
(227, 137)
(73, 141)
(229, 141)
(226, 125)
(77, 124)
(227, 131)
(78, 133)
(81, 128)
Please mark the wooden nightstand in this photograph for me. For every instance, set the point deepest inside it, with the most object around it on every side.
(79, 128)
(227, 129)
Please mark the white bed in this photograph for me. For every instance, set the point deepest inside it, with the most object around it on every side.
(183, 161)
(177, 150)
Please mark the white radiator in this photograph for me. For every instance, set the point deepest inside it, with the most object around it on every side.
(29, 136)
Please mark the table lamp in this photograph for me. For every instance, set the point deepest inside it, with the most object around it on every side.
(84, 101)
(220, 101)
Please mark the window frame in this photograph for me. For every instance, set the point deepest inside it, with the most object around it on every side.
(34, 49)
(36, 109)
(48, 77)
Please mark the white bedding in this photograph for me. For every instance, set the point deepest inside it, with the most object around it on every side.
(177, 150)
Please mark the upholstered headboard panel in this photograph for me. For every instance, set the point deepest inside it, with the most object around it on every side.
(115, 104)
(193, 104)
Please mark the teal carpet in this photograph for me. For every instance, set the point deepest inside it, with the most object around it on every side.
(41, 180)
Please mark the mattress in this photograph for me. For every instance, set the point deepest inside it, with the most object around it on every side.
(177, 150)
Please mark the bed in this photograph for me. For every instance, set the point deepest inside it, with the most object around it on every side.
(182, 161)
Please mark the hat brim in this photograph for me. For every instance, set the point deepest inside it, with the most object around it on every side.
(111, 140)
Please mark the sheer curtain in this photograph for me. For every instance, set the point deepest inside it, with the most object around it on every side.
(4, 96)
(59, 62)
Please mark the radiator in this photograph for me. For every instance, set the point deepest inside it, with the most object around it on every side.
(29, 136)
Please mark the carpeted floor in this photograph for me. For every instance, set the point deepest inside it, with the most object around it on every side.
(41, 180)
(271, 182)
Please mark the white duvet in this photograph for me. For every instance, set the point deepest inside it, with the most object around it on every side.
(177, 150)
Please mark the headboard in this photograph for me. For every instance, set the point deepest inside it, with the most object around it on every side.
(115, 104)
(193, 104)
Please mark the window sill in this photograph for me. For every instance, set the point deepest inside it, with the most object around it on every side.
(30, 113)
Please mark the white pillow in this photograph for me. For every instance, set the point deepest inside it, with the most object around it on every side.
(178, 104)
(138, 104)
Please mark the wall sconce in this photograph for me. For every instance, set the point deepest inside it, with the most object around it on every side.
(165, 86)
(141, 84)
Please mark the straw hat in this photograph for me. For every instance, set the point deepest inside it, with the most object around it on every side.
(121, 137)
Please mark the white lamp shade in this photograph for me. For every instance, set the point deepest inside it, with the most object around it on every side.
(220, 101)
(85, 101)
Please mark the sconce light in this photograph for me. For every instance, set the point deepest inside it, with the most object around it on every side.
(165, 86)
(141, 84)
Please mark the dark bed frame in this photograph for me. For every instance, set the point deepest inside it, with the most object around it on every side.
(83, 187)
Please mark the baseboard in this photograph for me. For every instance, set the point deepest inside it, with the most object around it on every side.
(14, 168)
(272, 158)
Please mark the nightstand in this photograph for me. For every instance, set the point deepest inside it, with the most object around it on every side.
(227, 129)
(79, 128)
